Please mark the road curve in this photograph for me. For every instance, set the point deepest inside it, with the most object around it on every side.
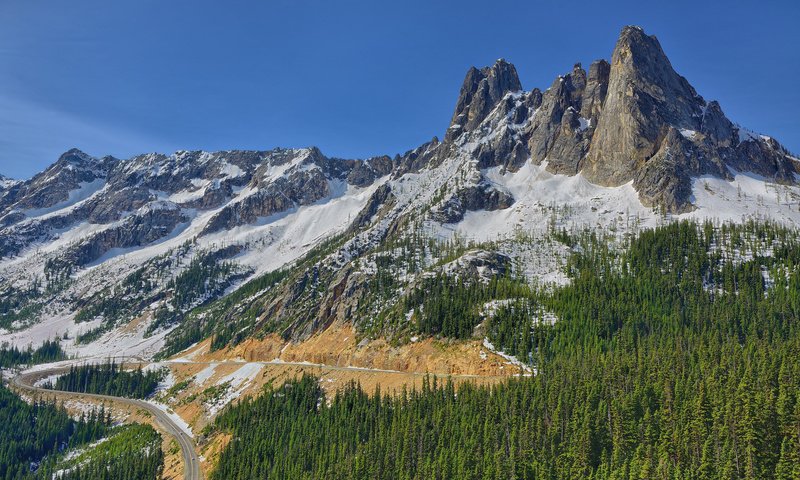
(25, 381)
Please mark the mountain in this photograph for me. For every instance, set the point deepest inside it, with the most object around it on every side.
(154, 253)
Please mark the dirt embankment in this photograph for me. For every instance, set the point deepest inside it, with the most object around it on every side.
(337, 346)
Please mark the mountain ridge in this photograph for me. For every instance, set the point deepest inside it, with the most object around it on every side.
(88, 235)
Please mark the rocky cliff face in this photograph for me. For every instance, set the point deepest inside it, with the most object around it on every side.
(480, 93)
(646, 98)
(654, 129)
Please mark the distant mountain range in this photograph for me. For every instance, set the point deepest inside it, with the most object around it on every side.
(132, 255)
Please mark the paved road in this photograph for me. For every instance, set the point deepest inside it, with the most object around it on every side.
(25, 381)
(348, 369)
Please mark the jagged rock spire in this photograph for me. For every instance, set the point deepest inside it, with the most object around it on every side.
(596, 89)
(644, 94)
(653, 128)
(481, 91)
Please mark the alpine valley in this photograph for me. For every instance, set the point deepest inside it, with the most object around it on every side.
(600, 279)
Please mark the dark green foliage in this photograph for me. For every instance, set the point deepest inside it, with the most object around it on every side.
(676, 358)
(233, 332)
(109, 379)
(451, 306)
(49, 351)
(515, 326)
(207, 278)
(92, 334)
(12, 299)
(31, 432)
(19, 305)
(197, 327)
(132, 453)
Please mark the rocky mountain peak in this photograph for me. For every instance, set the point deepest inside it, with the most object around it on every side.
(7, 184)
(638, 59)
(645, 96)
(75, 156)
(73, 170)
(480, 92)
(634, 119)
(578, 77)
(501, 78)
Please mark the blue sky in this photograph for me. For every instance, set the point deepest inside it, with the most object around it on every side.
(356, 78)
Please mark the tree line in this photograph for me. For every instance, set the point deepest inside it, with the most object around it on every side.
(48, 351)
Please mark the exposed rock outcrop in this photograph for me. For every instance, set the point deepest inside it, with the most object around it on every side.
(380, 201)
(645, 95)
(148, 225)
(479, 197)
(481, 91)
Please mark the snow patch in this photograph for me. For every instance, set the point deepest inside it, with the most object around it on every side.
(510, 358)
(84, 191)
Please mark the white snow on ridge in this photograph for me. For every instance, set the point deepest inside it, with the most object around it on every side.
(747, 196)
(276, 171)
(544, 200)
(75, 197)
(185, 196)
(287, 238)
(690, 134)
(540, 197)
(8, 182)
(231, 171)
(746, 135)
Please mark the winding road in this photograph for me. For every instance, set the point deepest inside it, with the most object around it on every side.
(26, 381)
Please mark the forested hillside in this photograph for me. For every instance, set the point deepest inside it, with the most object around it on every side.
(108, 379)
(41, 441)
(32, 432)
(132, 453)
(675, 357)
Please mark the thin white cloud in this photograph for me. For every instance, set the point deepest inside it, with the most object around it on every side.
(32, 136)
